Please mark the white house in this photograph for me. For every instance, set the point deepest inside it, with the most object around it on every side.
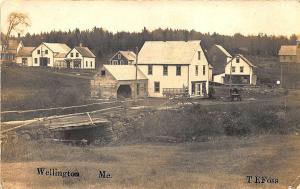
(174, 65)
(81, 57)
(24, 57)
(240, 73)
(50, 55)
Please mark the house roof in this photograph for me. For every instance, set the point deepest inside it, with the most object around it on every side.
(13, 44)
(85, 52)
(129, 55)
(245, 59)
(25, 51)
(58, 47)
(168, 52)
(223, 50)
(124, 72)
(288, 50)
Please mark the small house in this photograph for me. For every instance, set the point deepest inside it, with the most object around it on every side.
(114, 81)
(81, 57)
(240, 71)
(123, 58)
(9, 51)
(24, 57)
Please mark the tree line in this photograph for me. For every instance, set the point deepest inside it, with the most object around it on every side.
(103, 43)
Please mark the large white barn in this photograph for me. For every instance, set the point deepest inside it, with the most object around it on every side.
(174, 65)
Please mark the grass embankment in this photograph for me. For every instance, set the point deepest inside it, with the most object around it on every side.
(31, 88)
(222, 162)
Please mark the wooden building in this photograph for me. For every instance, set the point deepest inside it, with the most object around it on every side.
(9, 52)
(81, 57)
(24, 57)
(175, 65)
(114, 81)
(123, 58)
(290, 53)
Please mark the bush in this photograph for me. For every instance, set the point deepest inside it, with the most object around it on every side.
(194, 122)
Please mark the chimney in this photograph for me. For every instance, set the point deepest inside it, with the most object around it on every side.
(80, 44)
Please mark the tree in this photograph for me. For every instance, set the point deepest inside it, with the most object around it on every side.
(17, 22)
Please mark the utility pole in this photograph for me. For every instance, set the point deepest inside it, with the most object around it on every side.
(281, 75)
(230, 79)
(136, 70)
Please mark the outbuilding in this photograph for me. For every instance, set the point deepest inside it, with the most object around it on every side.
(118, 81)
(24, 57)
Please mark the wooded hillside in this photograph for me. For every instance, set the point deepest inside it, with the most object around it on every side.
(104, 43)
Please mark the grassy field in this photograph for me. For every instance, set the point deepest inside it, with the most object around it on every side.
(222, 162)
(31, 88)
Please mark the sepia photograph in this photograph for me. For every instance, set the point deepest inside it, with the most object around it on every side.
(140, 94)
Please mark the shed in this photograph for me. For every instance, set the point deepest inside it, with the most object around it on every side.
(115, 81)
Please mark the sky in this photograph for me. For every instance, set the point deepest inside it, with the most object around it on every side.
(223, 17)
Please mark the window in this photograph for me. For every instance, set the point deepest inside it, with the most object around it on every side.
(91, 64)
(242, 69)
(114, 62)
(196, 70)
(35, 60)
(203, 72)
(150, 69)
(199, 55)
(24, 61)
(237, 60)
(119, 56)
(233, 69)
(86, 63)
(121, 62)
(77, 54)
(156, 87)
(71, 54)
(39, 51)
(46, 51)
(178, 70)
(165, 70)
(102, 72)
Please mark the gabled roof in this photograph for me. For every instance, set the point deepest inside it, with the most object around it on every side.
(288, 50)
(85, 52)
(129, 55)
(58, 47)
(168, 52)
(223, 50)
(245, 59)
(124, 72)
(25, 51)
(60, 50)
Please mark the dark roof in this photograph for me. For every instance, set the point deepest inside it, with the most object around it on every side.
(85, 52)
(25, 51)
